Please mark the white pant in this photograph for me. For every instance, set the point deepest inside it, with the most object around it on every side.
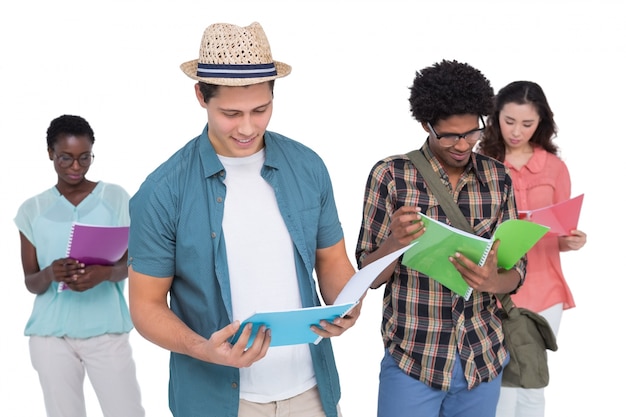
(61, 363)
(525, 402)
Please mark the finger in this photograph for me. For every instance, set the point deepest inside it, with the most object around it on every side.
(75, 267)
(355, 311)
(465, 266)
(413, 216)
(259, 347)
(457, 262)
(492, 257)
(415, 229)
(409, 210)
(340, 325)
(262, 335)
(267, 340)
(407, 214)
(325, 329)
(346, 322)
(459, 259)
(224, 335)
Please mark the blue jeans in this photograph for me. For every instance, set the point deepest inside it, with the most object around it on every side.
(400, 395)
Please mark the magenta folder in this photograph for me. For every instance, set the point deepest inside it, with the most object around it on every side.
(97, 245)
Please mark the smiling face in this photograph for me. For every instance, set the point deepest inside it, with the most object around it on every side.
(518, 123)
(453, 158)
(238, 118)
(75, 148)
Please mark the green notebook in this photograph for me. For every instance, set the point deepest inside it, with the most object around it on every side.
(440, 241)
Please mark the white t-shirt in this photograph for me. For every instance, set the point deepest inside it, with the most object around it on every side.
(262, 277)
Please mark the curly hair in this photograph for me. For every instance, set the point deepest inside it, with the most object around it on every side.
(520, 92)
(68, 124)
(449, 88)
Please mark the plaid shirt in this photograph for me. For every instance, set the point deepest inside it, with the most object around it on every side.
(424, 323)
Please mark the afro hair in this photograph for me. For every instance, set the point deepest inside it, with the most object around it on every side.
(449, 88)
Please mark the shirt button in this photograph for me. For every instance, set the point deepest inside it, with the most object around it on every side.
(213, 235)
(233, 385)
(219, 199)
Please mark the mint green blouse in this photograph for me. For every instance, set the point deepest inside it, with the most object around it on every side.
(45, 220)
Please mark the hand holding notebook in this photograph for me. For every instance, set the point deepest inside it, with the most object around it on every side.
(96, 245)
(440, 241)
(292, 327)
(562, 217)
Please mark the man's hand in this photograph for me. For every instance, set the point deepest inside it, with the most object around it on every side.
(406, 226)
(486, 278)
(340, 324)
(217, 349)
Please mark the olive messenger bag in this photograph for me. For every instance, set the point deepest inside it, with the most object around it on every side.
(527, 334)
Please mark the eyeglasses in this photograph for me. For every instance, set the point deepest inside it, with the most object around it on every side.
(65, 161)
(450, 139)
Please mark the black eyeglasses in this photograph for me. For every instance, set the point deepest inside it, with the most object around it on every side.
(450, 139)
(65, 161)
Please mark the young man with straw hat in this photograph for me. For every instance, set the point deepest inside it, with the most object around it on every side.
(235, 222)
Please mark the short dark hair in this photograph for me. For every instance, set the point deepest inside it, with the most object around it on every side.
(520, 92)
(68, 125)
(449, 88)
(210, 90)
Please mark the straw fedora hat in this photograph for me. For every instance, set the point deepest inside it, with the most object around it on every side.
(235, 56)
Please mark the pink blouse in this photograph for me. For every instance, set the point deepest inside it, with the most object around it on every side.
(543, 181)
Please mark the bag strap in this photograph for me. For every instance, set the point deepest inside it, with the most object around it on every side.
(449, 206)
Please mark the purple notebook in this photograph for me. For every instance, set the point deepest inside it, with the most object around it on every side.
(97, 245)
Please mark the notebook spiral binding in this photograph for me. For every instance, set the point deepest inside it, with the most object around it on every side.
(62, 286)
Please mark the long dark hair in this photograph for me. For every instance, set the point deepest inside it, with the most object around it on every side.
(520, 92)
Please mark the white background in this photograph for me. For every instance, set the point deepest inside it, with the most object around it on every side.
(116, 63)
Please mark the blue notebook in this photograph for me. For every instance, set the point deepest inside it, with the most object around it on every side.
(292, 327)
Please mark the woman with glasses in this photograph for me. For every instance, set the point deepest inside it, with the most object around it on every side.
(520, 132)
(85, 327)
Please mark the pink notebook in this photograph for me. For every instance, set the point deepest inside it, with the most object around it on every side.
(561, 217)
(96, 245)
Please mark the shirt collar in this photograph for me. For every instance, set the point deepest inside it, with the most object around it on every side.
(212, 164)
(537, 161)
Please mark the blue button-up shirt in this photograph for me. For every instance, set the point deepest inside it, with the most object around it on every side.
(176, 230)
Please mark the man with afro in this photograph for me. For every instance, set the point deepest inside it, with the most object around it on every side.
(444, 355)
